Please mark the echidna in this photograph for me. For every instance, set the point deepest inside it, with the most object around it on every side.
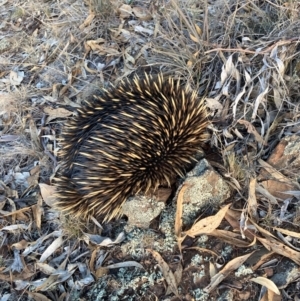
(126, 140)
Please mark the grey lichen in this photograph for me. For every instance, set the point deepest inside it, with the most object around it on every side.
(128, 284)
(200, 295)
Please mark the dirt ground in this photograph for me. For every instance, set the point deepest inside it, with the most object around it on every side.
(243, 58)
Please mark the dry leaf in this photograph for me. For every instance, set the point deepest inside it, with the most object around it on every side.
(178, 217)
(178, 273)
(16, 77)
(125, 11)
(214, 105)
(260, 98)
(252, 202)
(194, 39)
(233, 217)
(38, 211)
(125, 264)
(92, 260)
(56, 113)
(21, 245)
(142, 29)
(287, 232)
(101, 272)
(142, 13)
(198, 29)
(252, 130)
(86, 277)
(45, 268)
(229, 267)
(208, 224)
(34, 176)
(263, 231)
(9, 138)
(212, 269)
(204, 250)
(263, 259)
(276, 246)
(266, 194)
(271, 296)
(269, 284)
(37, 296)
(15, 227)
(166, 271)
(59, 276)
(20, 276)
(36, 244)
(99, 47)
(17, 213)
(87, 21)
(57, 243)
(47, 192)
(231, 238)
(277, 96)
(104, 241)
(228, 70)
(236, 101)
(278, 182)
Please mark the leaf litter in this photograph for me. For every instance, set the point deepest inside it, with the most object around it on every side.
(242, 56)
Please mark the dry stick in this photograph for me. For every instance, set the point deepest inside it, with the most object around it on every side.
(205, 22)
(267, 50)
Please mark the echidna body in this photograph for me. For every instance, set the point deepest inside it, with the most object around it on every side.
(129, 139)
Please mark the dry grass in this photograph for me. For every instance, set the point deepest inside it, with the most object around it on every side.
(242, 56)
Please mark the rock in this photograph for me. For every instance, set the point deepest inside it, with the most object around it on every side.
(205, 186)
(141, 210)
